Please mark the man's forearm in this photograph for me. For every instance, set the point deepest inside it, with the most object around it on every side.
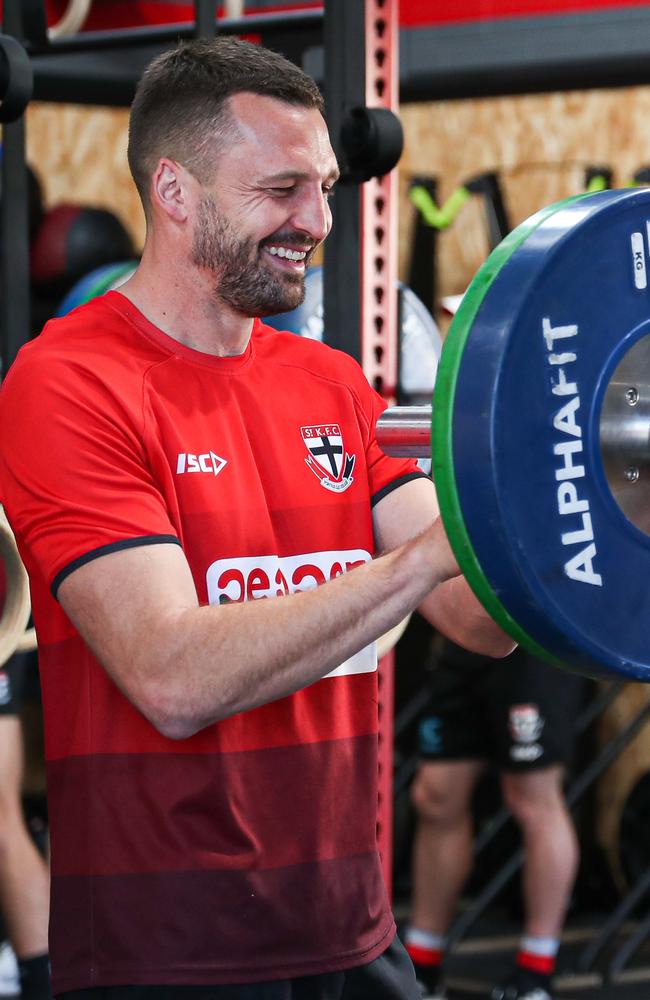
(186, 666)
(255, 652)
(453, 610)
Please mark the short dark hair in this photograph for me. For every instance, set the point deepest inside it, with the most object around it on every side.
(180, 107)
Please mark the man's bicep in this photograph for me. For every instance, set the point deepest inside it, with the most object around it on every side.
(404, 513)
(124, 603)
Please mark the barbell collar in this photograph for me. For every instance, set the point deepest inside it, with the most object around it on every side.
(405, 431)
(372, 140)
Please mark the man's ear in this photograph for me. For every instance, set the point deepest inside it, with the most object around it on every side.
(170, 189)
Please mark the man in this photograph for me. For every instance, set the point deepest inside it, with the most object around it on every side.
(212, 755)
(24, 877)
(519, 715)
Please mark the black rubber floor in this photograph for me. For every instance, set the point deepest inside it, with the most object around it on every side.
(485, 958)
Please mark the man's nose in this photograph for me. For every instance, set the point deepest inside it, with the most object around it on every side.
(312, 214)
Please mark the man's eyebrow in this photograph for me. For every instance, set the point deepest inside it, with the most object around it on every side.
(297, 175)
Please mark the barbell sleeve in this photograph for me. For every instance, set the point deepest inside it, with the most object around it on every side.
(405, 431)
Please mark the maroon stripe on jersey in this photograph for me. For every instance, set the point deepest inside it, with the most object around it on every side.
(218, 926)
(259, 809)
(334, 708)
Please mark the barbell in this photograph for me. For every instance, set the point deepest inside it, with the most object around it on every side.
(540, 440)
(539, 434)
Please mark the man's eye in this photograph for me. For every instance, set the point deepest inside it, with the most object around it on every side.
(281, 190)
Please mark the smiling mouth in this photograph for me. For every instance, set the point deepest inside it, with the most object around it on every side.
(289, 259)
(287, 253)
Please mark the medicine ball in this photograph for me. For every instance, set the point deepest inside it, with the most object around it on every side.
(420, 341)
(100, 280)
(73, 240)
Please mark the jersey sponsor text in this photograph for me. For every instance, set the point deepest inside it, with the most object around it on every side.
(250, 578)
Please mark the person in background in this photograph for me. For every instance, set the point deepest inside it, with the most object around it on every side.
(24, 875)
(517, 714)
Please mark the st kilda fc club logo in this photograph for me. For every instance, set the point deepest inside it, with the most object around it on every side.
(326, 456)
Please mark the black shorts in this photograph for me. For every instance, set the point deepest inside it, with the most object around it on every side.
(13, 675)
(518, 713)
(389, 977)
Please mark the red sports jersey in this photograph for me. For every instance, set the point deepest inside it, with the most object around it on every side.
(247, 852)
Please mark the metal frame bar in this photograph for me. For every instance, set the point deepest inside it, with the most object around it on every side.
(168, 34)
(633, 943)
(103, 67)
(589, 954)
(205, 25)
(15, 307)
(379, 198)
(379, 333)
(359, 286)
(345, 87)
(474, 59)
(523, 55)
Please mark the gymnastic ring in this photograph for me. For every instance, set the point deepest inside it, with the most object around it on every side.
(389, 639)
(16, 610)
(72, 19)
(27, 642)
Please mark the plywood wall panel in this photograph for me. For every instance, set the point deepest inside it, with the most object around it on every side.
(540, 145)
(79, 154)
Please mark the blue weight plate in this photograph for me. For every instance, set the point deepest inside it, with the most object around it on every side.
(95, 283)
(545, 517)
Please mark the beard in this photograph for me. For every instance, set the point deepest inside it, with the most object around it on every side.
(244, 282)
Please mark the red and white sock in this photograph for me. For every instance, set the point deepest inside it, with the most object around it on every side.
(538, 954)
(426, 949)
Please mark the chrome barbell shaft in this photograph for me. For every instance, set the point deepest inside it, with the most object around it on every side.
(405, 431)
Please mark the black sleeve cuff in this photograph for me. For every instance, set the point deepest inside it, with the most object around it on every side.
(376, 497)
(103, 550)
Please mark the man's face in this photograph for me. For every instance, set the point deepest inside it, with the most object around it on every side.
(265, 212)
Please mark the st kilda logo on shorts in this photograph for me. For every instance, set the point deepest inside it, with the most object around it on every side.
(327, 458)
(526, 725)
(5, 688)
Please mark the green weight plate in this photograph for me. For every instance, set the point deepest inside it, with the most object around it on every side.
(442, 422)
(541, 434)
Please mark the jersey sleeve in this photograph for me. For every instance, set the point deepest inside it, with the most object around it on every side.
(384, 473)
(74, 475)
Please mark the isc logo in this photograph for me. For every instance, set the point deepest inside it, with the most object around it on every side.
(208, 462)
